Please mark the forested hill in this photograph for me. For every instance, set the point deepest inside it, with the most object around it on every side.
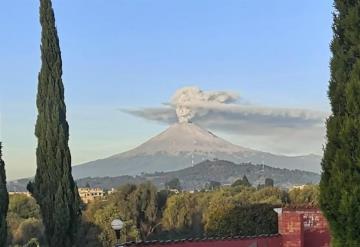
(227, 172)
(196, 177)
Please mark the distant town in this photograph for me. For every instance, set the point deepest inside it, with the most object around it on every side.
(89, 194)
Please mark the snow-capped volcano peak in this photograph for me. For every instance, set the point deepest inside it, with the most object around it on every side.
(186, 137)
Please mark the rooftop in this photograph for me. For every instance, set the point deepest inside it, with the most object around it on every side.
(205, 239)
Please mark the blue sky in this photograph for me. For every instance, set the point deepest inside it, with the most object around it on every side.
(137, 53)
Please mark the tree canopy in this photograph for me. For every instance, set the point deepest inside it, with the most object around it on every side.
(53, 188)
(340, 180)
(242, 182)
(4, 201)
(173, 184)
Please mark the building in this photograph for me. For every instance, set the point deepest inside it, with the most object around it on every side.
(297, 227)
(90, 194)
(112, 191)
(300, 187)
(175, 191)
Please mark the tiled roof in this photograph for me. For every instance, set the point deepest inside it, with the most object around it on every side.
(206, 239)
(308, 207)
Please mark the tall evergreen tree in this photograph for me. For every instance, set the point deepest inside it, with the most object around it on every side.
(4, 201)
(246, 181)
(53, 188)
(340, 180)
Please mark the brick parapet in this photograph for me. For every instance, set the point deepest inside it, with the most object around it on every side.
(291, 228)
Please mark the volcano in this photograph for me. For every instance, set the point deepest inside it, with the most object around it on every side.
(183, 145)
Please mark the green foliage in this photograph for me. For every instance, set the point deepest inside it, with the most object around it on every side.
(242, 182)
(98, 217)
(236, 210)
(219, 206)
(246, 181)
(145, 209)
(308, 195)
(242, 194)
(179, 212)
(199, 175)
(173, 184)
(340, 180)
(24, 220)
(224, 201)
(208, 212)
(139, 206)
(103, 219)
(162, 197)
(4, 201)
(243, 220)
(27, 230)
(54, 188)
(33, 243)
(269, 182)
(88, 234)
(269, 195)
(213, 185)
(24, 207)
(182, 216)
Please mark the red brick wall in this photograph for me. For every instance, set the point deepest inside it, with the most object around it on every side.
(274, 241)
(304, 227)
(291, 229)
(316, 231)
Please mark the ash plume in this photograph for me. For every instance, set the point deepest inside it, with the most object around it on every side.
(190, 102)
(282, 129)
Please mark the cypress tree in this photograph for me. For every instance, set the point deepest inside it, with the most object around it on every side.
(53, 188)
(246, 181)
(340, 179)
(4, 202)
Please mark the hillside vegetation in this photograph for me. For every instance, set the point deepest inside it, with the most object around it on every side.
(150, 213)
(198, 176)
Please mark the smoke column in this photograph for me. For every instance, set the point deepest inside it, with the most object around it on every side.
(192, 101)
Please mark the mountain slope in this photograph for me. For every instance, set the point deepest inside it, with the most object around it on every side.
(185, 137)
(196, 177)
(183, 145)
(227, 172)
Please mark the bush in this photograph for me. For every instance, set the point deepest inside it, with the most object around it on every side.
(243, 220)
(24, 207)
(33, 243)
(27, 230)
(308, 195)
